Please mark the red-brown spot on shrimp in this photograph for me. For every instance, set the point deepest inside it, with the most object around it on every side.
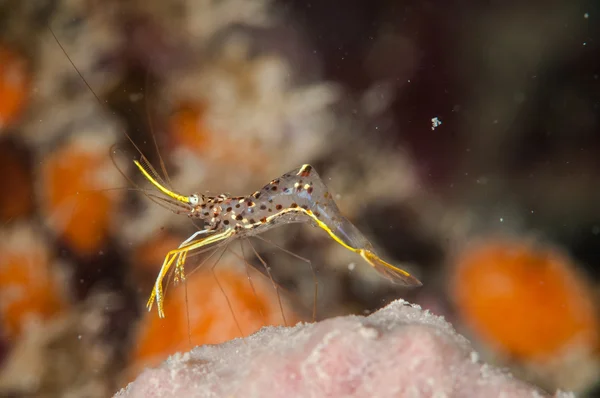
(317, 214)
(305, 207)
(278, 207)
(226, 222)
(263, 220)
(309, 190)
(293, 205)
(239, 217)
(274, 188)
(263, 207)
(228, 210)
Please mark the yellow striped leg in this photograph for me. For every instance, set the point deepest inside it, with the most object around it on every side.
(180, 254)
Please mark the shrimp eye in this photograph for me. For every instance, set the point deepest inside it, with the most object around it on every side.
(194, 199)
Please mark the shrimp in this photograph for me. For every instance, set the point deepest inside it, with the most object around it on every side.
(299, 196)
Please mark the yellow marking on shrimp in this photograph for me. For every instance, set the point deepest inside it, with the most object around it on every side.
(160, 187)
(373, 259)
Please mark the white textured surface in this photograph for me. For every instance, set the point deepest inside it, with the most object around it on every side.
(399, 351)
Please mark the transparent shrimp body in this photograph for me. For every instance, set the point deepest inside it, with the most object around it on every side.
(297, 196)
(303, 187)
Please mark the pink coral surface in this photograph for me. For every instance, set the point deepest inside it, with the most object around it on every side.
(398, 351)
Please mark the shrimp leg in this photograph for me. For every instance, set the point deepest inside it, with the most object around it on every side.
(179, 274)
(180, 255)
(390, 271)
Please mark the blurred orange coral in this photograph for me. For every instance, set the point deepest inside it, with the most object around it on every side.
(28, 287)
(15, 80)
(80, 212)
(186, 125)
(527, 301)
(211, 320)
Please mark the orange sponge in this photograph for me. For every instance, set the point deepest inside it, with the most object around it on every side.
(75, 177)
(28, 287)
(527, 301)
(211, 320)
(15, 79)
(186, 126)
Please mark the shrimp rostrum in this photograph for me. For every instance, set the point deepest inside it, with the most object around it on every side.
(297, 196)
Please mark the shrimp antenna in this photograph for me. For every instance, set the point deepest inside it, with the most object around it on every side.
(151, 127)
(143, 165)
(88, 85)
